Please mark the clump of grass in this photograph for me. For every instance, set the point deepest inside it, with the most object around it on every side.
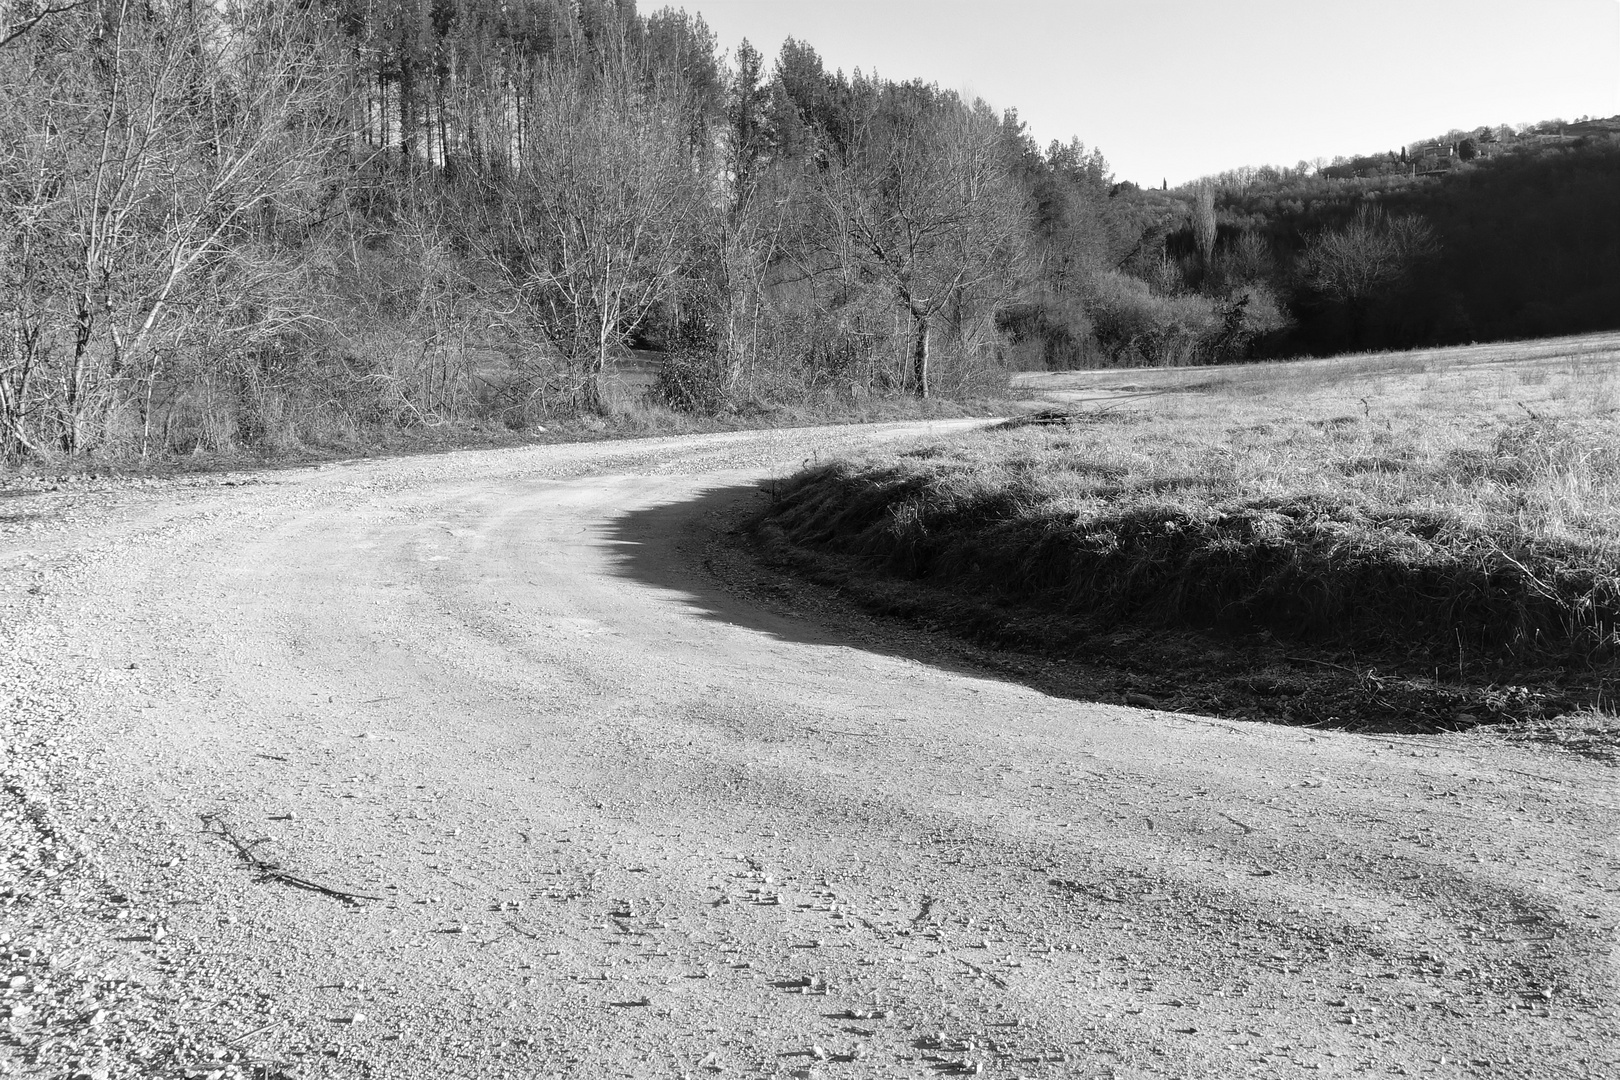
(1422, 504)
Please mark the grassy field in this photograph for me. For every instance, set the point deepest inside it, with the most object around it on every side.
(1454, 513)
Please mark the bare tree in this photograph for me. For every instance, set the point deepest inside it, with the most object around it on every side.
(1248, 259)
(922, 201)
(1203, 223)
(595, 223)
(147, 145)
(1353, 265)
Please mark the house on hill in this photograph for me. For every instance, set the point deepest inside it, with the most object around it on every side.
(1431, 159)
(1432, 151)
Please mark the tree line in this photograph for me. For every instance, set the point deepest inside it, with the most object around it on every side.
(301, 221)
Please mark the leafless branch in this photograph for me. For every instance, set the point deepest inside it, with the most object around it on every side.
(18, 29)
(275, 871)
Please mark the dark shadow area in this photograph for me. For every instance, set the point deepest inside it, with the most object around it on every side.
(701, 548)
(707, 550)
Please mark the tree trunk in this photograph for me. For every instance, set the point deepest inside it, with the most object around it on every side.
(1357, 311)
(593, 388)
(919, 352)
(594, 392)
(14, 441)
(75, 379)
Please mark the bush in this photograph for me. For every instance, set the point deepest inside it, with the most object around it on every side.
(1052, 332)
(695, 376)
(1135, 327)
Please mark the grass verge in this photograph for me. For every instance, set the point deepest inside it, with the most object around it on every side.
(629, 416)
(1436, 532)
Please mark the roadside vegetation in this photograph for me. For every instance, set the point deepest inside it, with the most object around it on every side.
(1450, 515)
(289, 227)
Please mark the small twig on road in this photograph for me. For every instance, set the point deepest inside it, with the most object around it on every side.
(275, 871)
(525, 933)
(1246, 828)
(927, 909)
(246, 1035)
(863, 920)
(976, 969)
(499, 937)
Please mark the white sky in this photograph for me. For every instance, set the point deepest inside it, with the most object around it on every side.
(1182, 88)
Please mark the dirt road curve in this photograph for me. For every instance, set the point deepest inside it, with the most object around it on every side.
(623, 823)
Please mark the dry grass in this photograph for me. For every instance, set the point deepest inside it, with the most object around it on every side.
(1432, 502)
(1517, 439)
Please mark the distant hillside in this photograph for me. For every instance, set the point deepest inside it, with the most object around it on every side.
(1506, 234)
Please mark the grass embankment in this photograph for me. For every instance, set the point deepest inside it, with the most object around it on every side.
(1454, 514)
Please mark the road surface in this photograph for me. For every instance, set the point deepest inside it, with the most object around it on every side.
(618, 821)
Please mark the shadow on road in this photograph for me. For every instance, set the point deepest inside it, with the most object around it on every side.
(691, 548)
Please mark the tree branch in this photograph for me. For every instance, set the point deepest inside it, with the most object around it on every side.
(17, 30)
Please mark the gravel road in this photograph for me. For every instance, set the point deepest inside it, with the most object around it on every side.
(607, 817)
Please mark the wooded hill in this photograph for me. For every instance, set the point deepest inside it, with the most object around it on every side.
(304, 221)
(1477, 236)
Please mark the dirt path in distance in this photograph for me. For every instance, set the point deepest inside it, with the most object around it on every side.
(620, 822)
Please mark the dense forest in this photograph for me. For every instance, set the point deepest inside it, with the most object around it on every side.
(292, 222)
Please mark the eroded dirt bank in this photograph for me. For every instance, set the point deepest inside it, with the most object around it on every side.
(621, 823)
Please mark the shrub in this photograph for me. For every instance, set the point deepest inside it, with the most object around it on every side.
(1054, 331)
(1135, 327)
